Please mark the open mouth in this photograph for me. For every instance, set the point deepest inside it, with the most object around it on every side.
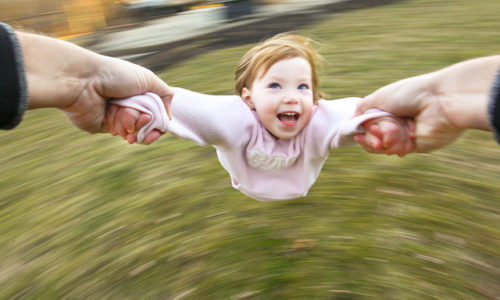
(289, 118)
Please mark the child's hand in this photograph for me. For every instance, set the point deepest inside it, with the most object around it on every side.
(126, 122)
(388, 135)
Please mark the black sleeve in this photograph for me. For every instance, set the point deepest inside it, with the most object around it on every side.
(13, 88)
(494, 107)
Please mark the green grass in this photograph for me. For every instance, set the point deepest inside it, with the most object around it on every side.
(90, 217)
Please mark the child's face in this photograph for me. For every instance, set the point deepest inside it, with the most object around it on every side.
(283, 97)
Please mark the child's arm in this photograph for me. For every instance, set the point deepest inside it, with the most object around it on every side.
(388, 135)
(220, 121)
(334, 125)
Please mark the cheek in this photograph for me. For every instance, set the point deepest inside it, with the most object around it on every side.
(307, 117)
(265, 112)
(264, 104)
(307, 112)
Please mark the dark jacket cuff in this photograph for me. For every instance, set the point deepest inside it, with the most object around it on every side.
(494, 107)
(13, 86)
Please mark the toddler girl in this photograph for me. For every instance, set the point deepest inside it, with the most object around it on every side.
(273, 138)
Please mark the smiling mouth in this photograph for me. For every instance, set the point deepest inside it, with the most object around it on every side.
(289, 118)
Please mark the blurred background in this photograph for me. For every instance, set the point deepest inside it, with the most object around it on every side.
(91, 217)
(68, 18)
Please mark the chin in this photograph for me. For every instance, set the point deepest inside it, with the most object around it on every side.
(286, 136)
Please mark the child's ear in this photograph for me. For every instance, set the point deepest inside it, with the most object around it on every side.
(246, 95)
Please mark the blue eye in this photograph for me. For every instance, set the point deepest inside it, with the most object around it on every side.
(303, 87)
(274, 86)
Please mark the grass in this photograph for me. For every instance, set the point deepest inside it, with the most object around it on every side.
(89, 217)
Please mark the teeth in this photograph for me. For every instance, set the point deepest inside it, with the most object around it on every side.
(288, 116)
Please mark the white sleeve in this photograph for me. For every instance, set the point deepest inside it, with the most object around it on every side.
(334, 124)
(203, 119)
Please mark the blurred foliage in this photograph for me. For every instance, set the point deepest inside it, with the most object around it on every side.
(90, 217)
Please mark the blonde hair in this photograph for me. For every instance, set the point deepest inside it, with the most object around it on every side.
(264, 55)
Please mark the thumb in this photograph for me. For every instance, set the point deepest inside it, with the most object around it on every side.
(167, 102)
(162, 89)
(166, 94)
(370, 101)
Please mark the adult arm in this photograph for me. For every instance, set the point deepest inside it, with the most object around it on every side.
(443, 103)
(62, 75)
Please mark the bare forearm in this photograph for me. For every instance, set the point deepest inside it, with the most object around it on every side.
(465, 88)
(57, 72)
(62, 75)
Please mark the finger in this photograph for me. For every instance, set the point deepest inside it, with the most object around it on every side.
(374, 100)
(167, 102)
(399, 98)
(401, 150)
(391, 133)
(403, 147)
(374, 142)
(131, 137)
(104, 123)
(110, 117)
(396, 137)
(114, 119)
(360, 139)
(395, 149)
(375, 130)
(410, 147)
(142, 121)
(412, 127)
(161, 88)
(151, 137)
(158, 86)
(129, 119)
(120, 130)
(373, 136)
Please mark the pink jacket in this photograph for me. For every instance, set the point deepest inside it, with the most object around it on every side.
(261, 166)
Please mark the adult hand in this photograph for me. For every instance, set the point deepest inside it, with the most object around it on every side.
(408, 98)
(115, 79)
(388, 135)
(79, 81)
(443, 103)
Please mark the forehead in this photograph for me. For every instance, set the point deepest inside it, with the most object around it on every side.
(296, 66)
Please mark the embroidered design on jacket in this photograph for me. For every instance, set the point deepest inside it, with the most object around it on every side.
(263, 161)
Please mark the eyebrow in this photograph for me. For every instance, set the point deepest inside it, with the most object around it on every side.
(305, 78)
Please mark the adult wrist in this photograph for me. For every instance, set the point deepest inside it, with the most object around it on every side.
(463, 102)
(13, 87)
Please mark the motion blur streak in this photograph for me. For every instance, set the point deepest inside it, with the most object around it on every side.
(91, 217)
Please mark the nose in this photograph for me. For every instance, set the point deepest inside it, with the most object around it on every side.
(291, 98)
